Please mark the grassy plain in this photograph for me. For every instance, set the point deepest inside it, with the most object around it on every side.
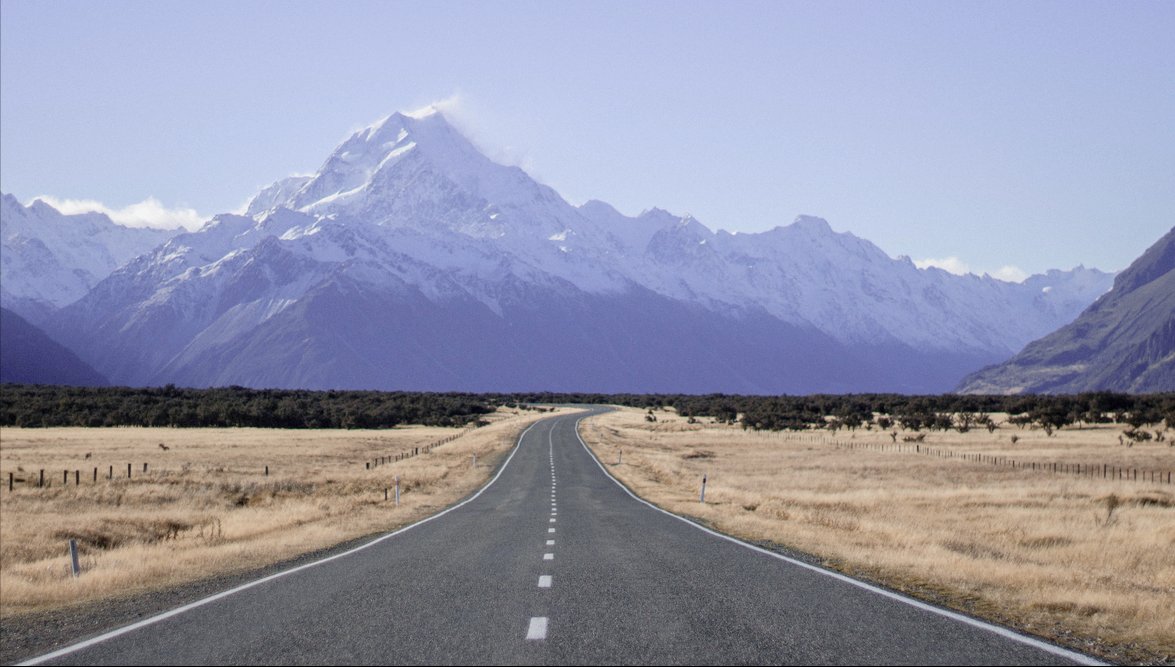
(1088, 562)
(206, 507)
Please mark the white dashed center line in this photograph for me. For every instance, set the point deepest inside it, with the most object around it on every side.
(550, 543)
(548, 556)
(538, 628)
(545, 581)
(550, 530)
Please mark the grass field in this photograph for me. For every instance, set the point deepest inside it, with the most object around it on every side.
(206, 507)
(1087, 561)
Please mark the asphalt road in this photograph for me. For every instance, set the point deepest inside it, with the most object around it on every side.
(554, 562)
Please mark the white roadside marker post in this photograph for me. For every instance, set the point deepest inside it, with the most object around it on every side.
(475, 460)
(703, 499)
(73, 557)
(397, 490)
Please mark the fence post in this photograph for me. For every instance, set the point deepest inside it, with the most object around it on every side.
(128, 471)
(110, 475)
(10, 482)
(144, 468)
(95, 474)
(267, 471)
(77, 478)
(41, 481)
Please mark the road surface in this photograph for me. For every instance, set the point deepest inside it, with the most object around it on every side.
(554, 562)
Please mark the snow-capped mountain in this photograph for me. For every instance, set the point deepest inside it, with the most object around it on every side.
(410, 260)
(48, 259)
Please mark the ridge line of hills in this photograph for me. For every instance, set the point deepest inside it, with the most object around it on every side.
(411, 261)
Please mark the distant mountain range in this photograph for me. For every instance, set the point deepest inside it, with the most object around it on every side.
(48, 260)
(1125, 341)
(412, 261)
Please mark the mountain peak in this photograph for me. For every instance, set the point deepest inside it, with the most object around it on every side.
(41, 208)
(812, 224)
(409, 121)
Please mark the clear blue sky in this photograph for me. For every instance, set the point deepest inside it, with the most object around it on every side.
(1033, 134)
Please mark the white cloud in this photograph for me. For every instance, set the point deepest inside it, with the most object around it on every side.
(148, 213)
(450, 106)
(1010, 273)
(952, 264)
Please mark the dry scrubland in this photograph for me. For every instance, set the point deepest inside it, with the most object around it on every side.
(1088, 562)
(205, 506)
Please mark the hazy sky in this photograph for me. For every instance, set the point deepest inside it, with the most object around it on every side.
(1037, 135)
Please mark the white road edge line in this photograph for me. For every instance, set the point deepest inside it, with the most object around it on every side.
(538, 628)
(73, 648)
(1079, 658)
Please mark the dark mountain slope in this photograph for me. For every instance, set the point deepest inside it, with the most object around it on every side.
(1125, 341)
(28, 356)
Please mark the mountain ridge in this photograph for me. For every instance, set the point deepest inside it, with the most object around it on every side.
(412, 219)
(49, 259)
(1124, 341)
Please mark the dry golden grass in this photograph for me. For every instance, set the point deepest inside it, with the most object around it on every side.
(206, 507)
(1041, 551)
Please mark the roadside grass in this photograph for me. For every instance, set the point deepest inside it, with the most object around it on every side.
(206, 507)
(1087, 562)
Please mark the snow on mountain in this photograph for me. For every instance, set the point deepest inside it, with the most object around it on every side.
(275, 194)
(48, 259)
(420, 172)
(411, 260)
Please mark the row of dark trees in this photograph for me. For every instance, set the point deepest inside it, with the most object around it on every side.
(39, 405)
(913, 413)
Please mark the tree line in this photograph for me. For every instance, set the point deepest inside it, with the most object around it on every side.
(908, 412)
(42, 405)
